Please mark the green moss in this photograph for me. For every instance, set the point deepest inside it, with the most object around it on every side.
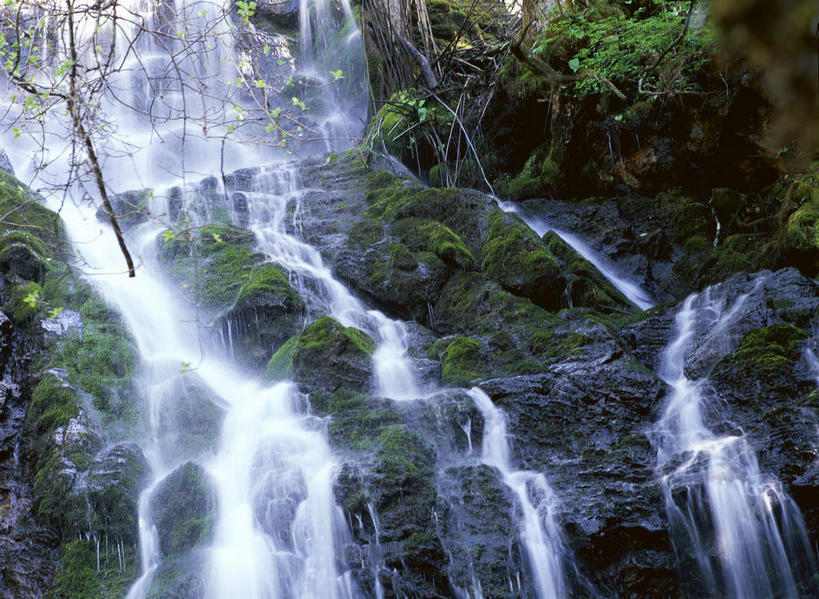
(280, 366)
(211, 263)
(101, 360)
(769, 348)
(184, 507)
(78, 576)
(402, 457)
(53, 404)
(317, 334)
(447, 245)
(802, 229)
(357, 419)
(459, 362)
(264, 279)
(540, 174)
(22, 212)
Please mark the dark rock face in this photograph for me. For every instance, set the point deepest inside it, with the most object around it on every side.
(27, 549)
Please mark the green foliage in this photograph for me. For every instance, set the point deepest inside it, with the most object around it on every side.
(608, 48)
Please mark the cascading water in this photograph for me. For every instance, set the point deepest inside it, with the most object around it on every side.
(633, 292)
(540, 533)
(730, 522)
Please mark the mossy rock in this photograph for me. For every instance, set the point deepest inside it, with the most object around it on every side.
(102, 359)
(690, 218)
(356, 418)
(472, 305)
(210, 263)
(540, 175)
(326, 355)
(23, 256)
(79, 575)
(461, 362)
(53, 404)
(801, 237)
(518, 259)
(190, 421)
(769, 348)
(179, 577)
(184, 510)
(267, 312)
(23, 212)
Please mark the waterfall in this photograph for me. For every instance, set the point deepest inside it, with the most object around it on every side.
(733, 523)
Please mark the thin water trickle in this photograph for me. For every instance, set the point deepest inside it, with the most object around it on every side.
(636, 295)
(733, 521)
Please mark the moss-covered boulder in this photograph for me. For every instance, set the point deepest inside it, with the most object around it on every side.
(409, 242)
(60, 445)
(267, 312)
(518, 259)
(179, 577)
(800, 236)
(768, 350)
(87, 572)
(326, 355)
(189, 417)
(184, 510)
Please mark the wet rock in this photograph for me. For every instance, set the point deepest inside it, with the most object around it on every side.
(179, 578)
(190, 418)
(131, 208)
(583, 424)
(480, 530)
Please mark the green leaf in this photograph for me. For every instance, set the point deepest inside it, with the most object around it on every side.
(574, 64)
